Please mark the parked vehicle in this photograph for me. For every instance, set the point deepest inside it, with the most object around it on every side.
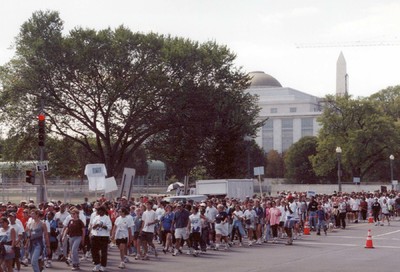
(232, 188)
(185, 198)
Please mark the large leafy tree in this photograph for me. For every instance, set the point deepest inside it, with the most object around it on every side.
(114, 86)
(275, 165)
(297, 163)
(389, 101)
(366, 135)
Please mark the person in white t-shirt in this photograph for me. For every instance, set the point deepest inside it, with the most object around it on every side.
(19, 231)
(194, 227)
(149, 221)
(122, 234)
(292, 218)
(100, 227)
(60, 217)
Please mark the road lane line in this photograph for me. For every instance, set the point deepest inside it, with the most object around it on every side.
(384, 234)
(346, 245)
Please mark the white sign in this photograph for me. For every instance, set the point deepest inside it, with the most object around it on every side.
(96, 174)
(395, 182)
(311, 193)
(110, 185)
(356, 180)
(42, 167)
(258, 171)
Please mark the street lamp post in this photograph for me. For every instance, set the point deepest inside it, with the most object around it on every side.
(391, 157)
(339, 157)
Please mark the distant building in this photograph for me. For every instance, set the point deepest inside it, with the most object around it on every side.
(291, 114)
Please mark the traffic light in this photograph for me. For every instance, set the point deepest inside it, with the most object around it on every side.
(42, 128)
(30, 177)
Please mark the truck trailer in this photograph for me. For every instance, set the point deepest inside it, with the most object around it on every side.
(232, 188)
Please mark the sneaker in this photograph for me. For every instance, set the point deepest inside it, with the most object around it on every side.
(164, 250)
(175, 253)
(48, 265)
(137, 257)
(102, 268)
(121, 265)
(382, 224)
(126, 259)
(145, 258)
(96, 268)
(75, 268)
(289, 242)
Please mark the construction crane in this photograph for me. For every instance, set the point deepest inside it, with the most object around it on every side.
(348, 44)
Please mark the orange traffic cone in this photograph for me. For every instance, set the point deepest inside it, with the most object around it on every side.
(368, 244)
(306, 230)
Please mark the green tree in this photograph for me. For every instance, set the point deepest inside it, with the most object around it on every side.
(297, 160)
(114, 86)
(366, 135)
(389, 101)
(275, 165)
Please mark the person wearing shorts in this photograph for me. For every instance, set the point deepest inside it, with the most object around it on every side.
(181, 221)
(149, 221)
(122, 234)
(221, 227)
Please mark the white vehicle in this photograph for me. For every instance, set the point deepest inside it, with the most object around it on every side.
(232, 188)
(185, 198)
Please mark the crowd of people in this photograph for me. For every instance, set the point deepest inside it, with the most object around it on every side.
(36, 234)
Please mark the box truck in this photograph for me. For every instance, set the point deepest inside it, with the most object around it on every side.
(232, 188)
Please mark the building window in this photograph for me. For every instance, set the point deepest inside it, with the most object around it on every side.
(287, 133)
(268, 135)
(274, 110)
(293, 109)
(307, 127)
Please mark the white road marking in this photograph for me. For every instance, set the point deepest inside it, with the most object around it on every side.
(379, 235)
(346, 245)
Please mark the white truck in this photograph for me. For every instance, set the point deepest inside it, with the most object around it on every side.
(232, 188)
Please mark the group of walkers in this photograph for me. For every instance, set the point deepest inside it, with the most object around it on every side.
(36, 235)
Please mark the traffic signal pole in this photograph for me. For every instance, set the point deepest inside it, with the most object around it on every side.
(42, 190)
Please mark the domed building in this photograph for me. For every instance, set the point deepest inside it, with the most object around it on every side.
(291, 114)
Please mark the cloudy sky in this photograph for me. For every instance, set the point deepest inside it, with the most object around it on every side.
(262, 33)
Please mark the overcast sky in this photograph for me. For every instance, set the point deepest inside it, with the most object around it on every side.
(262, 33)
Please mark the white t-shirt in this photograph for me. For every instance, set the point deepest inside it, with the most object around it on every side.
(293, 207)
(211, 213)
(61, 216)
(122, 224)
(149, 217)
(237, 215)
(160, 212)
(101, 220)
(18, 231)
(195, 222)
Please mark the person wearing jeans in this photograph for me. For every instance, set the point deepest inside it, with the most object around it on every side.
(76, 232)
(37, 233)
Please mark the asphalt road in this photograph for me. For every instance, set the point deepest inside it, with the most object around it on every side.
(340, 250)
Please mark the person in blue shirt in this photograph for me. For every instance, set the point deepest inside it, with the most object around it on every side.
(166, 228)
(322, 216)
